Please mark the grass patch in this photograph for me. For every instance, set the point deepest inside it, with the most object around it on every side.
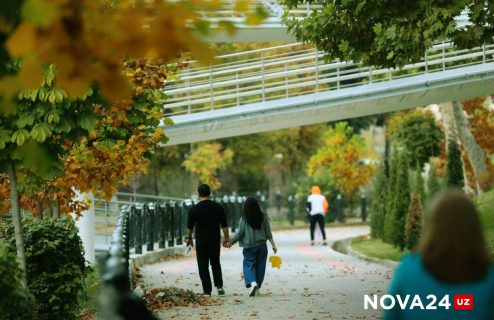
(376, 248)
(485, 204)
(285, 224)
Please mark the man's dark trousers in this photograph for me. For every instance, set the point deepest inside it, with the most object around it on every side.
(208, 252)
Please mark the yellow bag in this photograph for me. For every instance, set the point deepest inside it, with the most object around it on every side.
(275, 261)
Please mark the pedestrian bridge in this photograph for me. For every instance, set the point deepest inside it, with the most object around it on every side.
(292, 85)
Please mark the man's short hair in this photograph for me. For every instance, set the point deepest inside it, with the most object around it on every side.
(204, 190)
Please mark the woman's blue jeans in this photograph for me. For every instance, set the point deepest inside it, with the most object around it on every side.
(255, 264)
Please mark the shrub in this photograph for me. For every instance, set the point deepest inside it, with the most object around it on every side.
(378, 210)
(55, 265)
(398, 201)
(401, 203)
(433, 185)
(413, 226)
(390, 199)
(15, 301)
(454, 169)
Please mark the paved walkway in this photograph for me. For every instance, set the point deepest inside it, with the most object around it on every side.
(313, 282)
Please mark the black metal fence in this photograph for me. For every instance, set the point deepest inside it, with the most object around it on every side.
(143, 228)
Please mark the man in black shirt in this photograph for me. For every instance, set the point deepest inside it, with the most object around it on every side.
(207, 216)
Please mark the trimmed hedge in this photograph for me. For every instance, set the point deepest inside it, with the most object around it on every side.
(55, 265)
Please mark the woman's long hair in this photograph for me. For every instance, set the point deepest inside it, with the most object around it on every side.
(252, 213)
(453, 247)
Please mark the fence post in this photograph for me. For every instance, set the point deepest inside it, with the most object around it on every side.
(233, 210)
(150, 228)
(240, 204)
(166, 223)
(171, 221)
(291, 210)
(160, 213)
(363, 208)
(238, 89)
(264, 204)
(339, 208)
(126, 240)
(179, 209)
(138, 231)
(263, 77)
(317, 70)
(338, 76)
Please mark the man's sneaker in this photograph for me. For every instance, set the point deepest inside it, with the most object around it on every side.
(221, 291)
(258, 292)
(253, 290)
(206, 294)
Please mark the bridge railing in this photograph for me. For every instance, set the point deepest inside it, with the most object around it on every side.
(295, 70)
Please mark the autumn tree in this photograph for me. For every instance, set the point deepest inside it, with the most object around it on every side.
(480, 116)
(476, 155)
(86, 40)
(206, 160)
(32, 138)
(340, 159)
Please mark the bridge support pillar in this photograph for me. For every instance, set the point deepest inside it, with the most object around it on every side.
(86, 226)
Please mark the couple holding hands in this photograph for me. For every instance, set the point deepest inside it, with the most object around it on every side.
(254, 230)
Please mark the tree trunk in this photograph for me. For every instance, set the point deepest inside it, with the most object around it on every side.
(39, 207)
(17, 220)
(450, 128)
(49, 211)
(475, 154)
(448, 119)
(56, 209)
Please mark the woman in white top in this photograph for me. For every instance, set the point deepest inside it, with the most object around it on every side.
(317, 206)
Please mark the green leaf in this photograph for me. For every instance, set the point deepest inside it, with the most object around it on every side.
(40, 132)
(26, 120)
(20, 136)
(87, 122)
(4, 138)
(168, 121)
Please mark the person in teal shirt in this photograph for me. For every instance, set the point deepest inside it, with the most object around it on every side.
(451, 259)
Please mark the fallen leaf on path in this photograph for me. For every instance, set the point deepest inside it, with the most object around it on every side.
(158, 298)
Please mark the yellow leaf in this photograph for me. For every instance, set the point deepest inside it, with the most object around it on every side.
(275, 261)
(22, 41)
(31, 74)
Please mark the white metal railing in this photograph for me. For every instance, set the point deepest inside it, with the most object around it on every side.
(294, 70)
